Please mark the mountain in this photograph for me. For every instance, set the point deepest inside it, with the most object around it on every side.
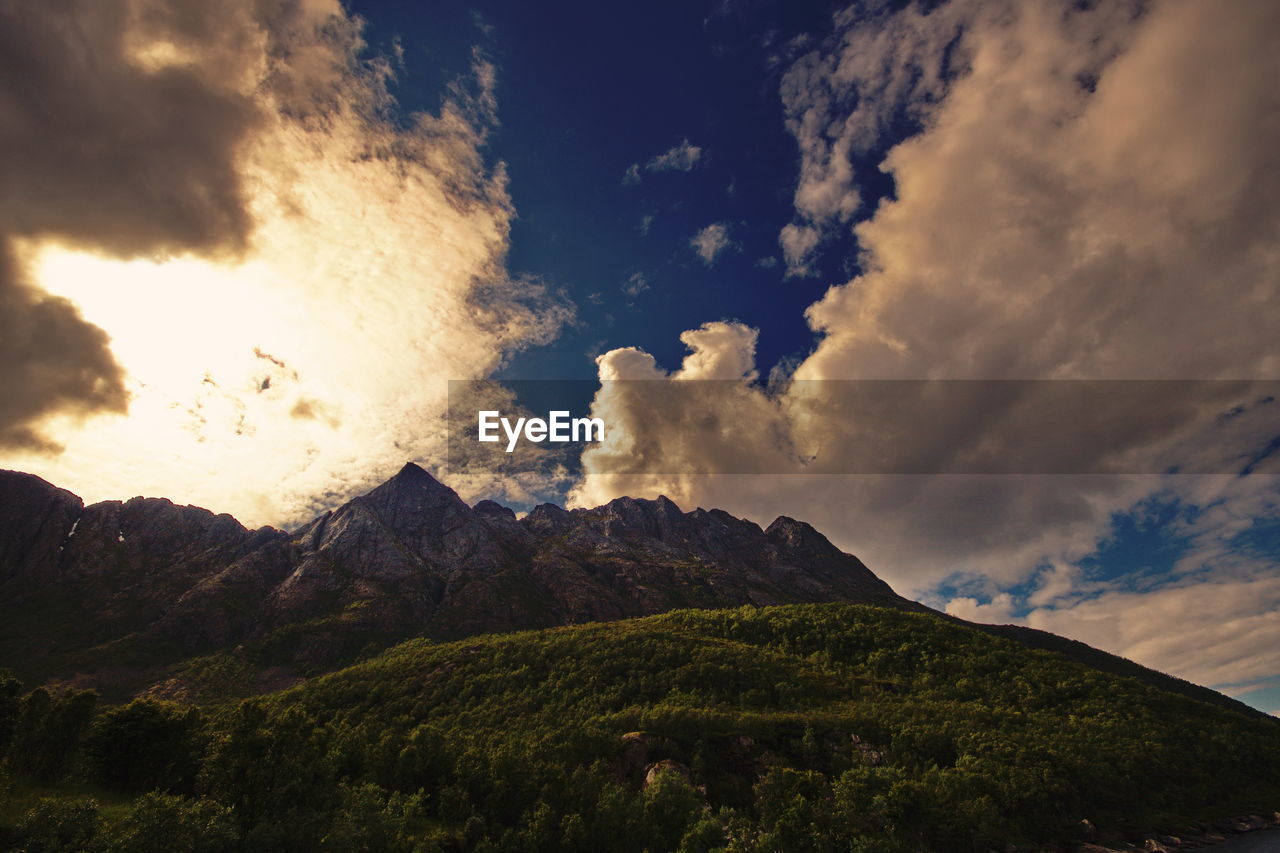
(114, 593)
(146, 595)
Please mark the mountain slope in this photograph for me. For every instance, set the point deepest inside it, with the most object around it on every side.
(799, 728)
(146, 595)
(116, 593)
(830, 721)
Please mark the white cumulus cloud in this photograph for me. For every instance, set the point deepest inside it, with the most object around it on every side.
(1093, 193)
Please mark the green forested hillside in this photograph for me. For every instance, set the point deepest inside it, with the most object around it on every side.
(808, 727)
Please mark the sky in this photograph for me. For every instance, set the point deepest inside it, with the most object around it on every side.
(243, 250)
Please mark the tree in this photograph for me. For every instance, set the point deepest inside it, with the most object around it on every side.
(163, 823)
(274, 772)
(669, 805)
(59, 826)
(10, 688)
(371, 821)
(795, 809)
(144, 745)
(46, 738)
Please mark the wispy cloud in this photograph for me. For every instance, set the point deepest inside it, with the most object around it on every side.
(798, 243)
(1212, 620)
(679, 158)
(894, 66)
(711, 241)
(635, 284)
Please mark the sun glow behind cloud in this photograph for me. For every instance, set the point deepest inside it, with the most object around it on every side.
(174, 322)
(291, 344)
(232, 375)
(196, 340)
(303, 369)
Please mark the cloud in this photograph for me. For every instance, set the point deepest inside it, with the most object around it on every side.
(206, 184)
(1215, 632)
(711, 241)
(888, 67)
(120, 130)
(1211, 620)
(721, 358)
(798, 243)
(1092, 193)
(1061, 215)
(723, 350)
(51, 361)
(679, 158)
(998, 611)
(635, 284)
(103, 149)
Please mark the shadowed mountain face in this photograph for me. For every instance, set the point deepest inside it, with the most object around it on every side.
(146, 583)
(124, 596)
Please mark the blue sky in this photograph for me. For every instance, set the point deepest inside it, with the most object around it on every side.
(577, 110)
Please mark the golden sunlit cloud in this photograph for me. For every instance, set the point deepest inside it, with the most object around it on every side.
(172, 323)
(281, 371)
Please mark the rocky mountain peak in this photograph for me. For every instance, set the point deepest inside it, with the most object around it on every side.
(413, 473)
(411, 484)
(493, 509)
(547, 519)
(410, 523)
(799, 537)
(628, 518)
(407, 558)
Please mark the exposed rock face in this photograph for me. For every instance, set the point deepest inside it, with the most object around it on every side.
(48, 537)
(145, 583)
(454, 570)
(36, 519)
(409, 558)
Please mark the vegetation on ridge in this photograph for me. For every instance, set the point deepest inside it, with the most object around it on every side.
(805, 727)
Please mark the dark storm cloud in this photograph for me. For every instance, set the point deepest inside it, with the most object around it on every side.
(99, 152)
(50, 360)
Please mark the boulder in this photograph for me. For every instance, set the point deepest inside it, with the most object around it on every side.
(666, 765)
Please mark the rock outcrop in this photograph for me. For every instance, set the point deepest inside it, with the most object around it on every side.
(143, 585)
(409, 558)
(37, 520)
